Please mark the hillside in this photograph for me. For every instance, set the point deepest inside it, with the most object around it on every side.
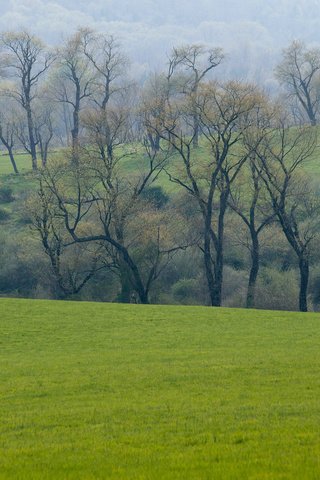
(25, 269)
(148, 392)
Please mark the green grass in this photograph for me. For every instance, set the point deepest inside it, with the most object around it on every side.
(105, 391)
(23, 162)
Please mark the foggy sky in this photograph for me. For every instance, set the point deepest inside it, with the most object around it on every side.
(252, 32)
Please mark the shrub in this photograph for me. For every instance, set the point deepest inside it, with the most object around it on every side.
(156, 196)
(277, 290)
(6, 194)
(186, 291)
(234, 287)
(4, 215)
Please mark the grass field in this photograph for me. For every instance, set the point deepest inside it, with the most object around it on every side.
(106, 391)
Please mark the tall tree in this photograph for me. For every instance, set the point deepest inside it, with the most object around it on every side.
(299, 72)
(247, 199)
(100, 203)
(224, 115)
(194, 62)
(109, 66)
(282, 152)
(73, 83)
(26, 60)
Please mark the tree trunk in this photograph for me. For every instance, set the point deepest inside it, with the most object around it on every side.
(310, 110)
(208, 269)
(75, 138)
(219, 260)
(13, 162)
(31, 138)
(135, 280)
(154, 141)
(255, 254)
(195, 141)
(76, 125)
(304, 280)
(143, 296)
(218, 279)
(125, 294)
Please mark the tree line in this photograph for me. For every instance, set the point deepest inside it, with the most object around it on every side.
(177, 166)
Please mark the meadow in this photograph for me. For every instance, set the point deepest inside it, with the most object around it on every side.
(107, 391)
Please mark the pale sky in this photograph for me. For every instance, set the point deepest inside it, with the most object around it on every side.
(252, 32)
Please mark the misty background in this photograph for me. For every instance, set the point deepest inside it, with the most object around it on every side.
(252, 32)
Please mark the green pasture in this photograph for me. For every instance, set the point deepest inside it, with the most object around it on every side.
(23, 162)
(107, 391)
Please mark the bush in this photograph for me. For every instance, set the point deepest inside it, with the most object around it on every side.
(277, 290)
(6, 194)
(234, 287)
(186, 291)
(4, 215)
(156, 196)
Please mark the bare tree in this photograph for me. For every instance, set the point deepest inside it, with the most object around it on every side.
(247, 199)
(72, 265)
(194, 62)
(44, 131)
(109, 63)
(282, 152)
(223, 118)
(299, 73)
(26, 59)
(73, 82)
(8, 134)
(154, 101)
(100, 203)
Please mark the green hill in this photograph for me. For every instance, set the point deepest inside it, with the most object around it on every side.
(96, 391)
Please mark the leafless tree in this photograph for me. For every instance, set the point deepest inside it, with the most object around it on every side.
(100, 204)
(194, 62)
(26, 60)
(73, 82)
(223, 118)
(8, 133)
(44, 131)
(109, 63)
(299, 73)
(248, 200)
(282, 152)
(72, 266)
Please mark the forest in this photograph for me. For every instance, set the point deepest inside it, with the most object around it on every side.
(183, 188)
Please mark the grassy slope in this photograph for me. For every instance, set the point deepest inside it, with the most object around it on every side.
(96, 391)
(25, 182)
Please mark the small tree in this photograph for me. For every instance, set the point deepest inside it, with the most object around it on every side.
(72, 265)
(299, 73)
(44, 131)
(8, 134)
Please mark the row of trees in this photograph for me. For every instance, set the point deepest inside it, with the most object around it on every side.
(44, 92)
(225, 147)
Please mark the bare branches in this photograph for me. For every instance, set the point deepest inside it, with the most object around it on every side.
(299, 73)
